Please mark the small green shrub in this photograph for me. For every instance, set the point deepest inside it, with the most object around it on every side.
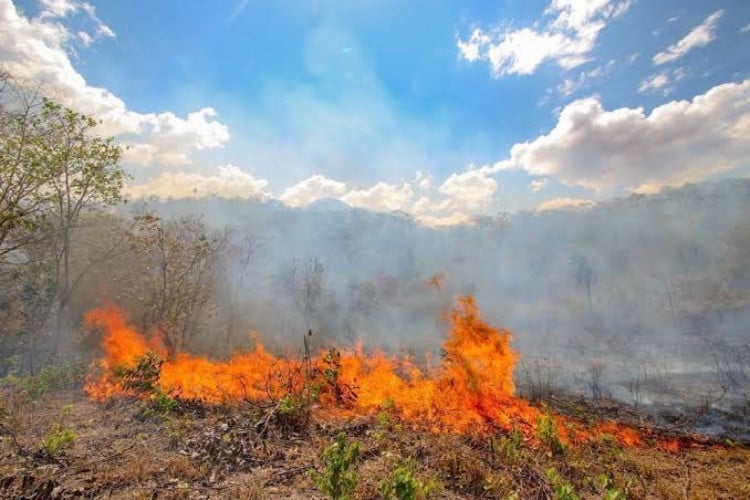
(403, 485)
(546, 433)
(157, 406)
(57, 439)
(611, 492)
(143, 376)
(509, 446)
(337, 480)
(66, 375)
(294, 412)
(563, 490)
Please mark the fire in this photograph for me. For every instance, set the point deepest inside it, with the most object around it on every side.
(470, 389)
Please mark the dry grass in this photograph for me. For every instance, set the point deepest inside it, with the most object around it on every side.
(120, 456)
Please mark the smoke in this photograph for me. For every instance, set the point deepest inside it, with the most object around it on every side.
(640, 298)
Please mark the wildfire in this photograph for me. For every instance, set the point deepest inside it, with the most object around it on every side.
(470, 389)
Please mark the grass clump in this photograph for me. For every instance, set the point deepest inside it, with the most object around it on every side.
(337, 480)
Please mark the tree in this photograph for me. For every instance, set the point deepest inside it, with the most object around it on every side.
(87, 177)
(241, 254)
(178, 261)
(23, 173)
(54, 170)
(585, 277)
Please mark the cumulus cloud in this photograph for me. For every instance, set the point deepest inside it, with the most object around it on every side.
(470, 190)
(229, 181)
(566, 40)
(315, 188)
(36, 49)
(701, 35)
(625, 148)
(564, 203)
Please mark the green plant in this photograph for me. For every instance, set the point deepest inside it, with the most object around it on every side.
(546, 433)
(294, 411)
(509, 446)
(337, 481)
(65, 375)
(56, 439)
(403, 485)
(563, 490)
(143, 376)
(611, 492)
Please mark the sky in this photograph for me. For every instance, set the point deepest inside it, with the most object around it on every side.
(443, 110)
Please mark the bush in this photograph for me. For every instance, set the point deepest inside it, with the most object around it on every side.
(66, 375)
(508, 447)
(563, 490)
(337, 481)
(57, 439)
(402, 485)
(546, 433)
(143, 377)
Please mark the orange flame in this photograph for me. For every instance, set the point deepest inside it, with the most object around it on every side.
(471, 389)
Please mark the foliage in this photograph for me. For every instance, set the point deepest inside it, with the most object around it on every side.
(611, 492)
(57, 439)
(563, 489)
(403, 485)
(547, 433)
(177, 261)
(337, 481)
(509, 446)
(143, 376)
(66, 375)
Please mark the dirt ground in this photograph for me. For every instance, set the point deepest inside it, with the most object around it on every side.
(118, 451)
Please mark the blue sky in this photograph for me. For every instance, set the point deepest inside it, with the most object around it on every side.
(436, 108)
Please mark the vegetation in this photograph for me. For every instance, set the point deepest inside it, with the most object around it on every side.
(338, 480)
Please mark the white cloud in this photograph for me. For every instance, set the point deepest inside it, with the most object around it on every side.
(745, 28)
(564, 203)
(228, 182)
(470, 191)
(56, 9)
(36, 49)
(654, 82)
(623, 149)
(566, 40)
(699, 36)
(315, 188)
(570, 86)
(537, 185)
(381, 197)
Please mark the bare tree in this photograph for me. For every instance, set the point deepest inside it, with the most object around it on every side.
(241, 255)
(179, 260)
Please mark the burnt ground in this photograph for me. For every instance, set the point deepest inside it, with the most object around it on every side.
(121, 451)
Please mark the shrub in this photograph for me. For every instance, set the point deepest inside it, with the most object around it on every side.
(57, 439)
(337, 481)
(611, 492)
(508, 447)
(546, 433)
(563, 489)
(143, 377)
(403, 485)
(66, 375)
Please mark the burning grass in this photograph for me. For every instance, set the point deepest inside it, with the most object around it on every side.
(469, 390)
(266, 426)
